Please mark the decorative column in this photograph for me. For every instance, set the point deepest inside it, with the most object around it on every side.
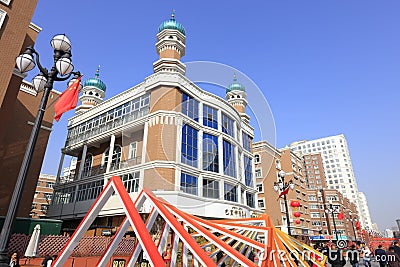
(200, 150)
(220, 155)
(83, 159)
(237, 162)
(219, 119)
(222, 190)
(110, 153)
(60, 166)
(179, 125)
(144, 146)
(200, 186)
(241, 199)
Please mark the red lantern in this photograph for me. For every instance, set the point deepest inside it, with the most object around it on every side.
(297, 221)
(297, 214)
(295, 204)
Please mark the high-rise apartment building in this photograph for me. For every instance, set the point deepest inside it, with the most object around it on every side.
(364, 211)
(314, 171)
(338, 168)
(189, 146)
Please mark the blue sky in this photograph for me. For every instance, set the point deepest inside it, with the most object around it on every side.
(325, 67)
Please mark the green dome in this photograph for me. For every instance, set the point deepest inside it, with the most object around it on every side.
(96, 82)
(172, 24)
(235, 86)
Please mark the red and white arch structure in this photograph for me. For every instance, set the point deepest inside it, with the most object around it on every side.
(199, 239)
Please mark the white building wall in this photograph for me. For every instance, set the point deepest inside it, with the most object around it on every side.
(337, 166)
(364, 212)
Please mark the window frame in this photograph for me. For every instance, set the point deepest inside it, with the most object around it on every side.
(209, 165)
(6, 2)
(193, 190)
(135, 150)
(3, 15)
(229, 195)
(211, 191)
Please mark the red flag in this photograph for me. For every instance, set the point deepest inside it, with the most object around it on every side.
(358, 225)
(68, 99)
(284, 192)
(340, 216)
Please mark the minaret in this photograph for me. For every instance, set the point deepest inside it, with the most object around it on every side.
(236, 96)
(93, 93)
(170, 46)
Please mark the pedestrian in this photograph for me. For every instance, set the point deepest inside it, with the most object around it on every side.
(353, 256)
(167, 255)
(46, 259)
(14, 262)
(381, 256)
(366, 252)
(251, 255)
(392, 258)
(335, 257)
(396, 248)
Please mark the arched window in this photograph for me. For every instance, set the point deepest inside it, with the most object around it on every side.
(87, 166)
(116, 157)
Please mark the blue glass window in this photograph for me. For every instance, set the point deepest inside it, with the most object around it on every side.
(189, 145)
(248, 171)
(210, 188)
(190, 107)
(210, 153)
(227, 125)
(189, 183)
(210, 117)
(230, 192)
(250, 200)
(229, 159)
(246, 141)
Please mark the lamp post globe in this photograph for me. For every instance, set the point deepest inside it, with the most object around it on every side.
(25, 62)
(39, 81)
(64, 66)
(61, 42)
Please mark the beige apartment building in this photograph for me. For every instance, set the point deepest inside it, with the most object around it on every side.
(319, 197)
(321, 216)
(269, 161)
(43, 195)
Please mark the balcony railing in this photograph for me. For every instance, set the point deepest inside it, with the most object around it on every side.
(96, 130)
(97, 170)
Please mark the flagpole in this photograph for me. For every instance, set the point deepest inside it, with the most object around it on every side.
(25, 62)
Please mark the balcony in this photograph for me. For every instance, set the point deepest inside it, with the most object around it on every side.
(99, 170)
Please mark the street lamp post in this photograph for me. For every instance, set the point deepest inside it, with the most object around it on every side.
(352, 224)
(60, 71)
(280, 187)
(332, 210)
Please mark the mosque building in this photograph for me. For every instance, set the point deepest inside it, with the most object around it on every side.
(187, 145)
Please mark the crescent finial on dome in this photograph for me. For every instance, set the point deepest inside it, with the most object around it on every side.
(97, 72)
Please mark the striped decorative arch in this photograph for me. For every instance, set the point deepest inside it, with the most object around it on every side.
(208, 242)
